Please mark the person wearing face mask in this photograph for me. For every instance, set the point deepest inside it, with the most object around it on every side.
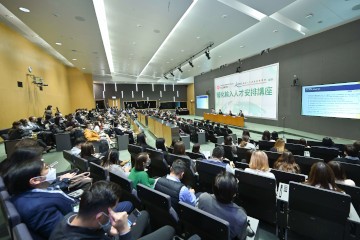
(138, 174)
(97, 220)
(27, 181)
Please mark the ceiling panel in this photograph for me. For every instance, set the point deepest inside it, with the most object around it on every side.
(266, 7)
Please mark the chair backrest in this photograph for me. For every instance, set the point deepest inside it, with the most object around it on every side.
(354, 192)
(63, 141)
(286, 177)
(97, 172)
(127, 189)
(12, 216)
(346, 160)
(81, 163)
(327, 154)
(158, 205)
(265, 145)
(134, 150)
(291, 140)
(207, 173)
(272, 157)
(189, 178)
(314, 143)
(158, 166)
(195, 155)
(257, 194)
(206, 225)
(295, 149)
(68, 157)
(241, 165)
(305, 163)
(2, 184)
(228, 152)
(317, 213)
(21, 232)
(10, 146)
(243, 154)
(352, 172)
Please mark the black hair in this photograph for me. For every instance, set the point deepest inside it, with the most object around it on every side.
(266, 136)
(100, 196)
(140, 140)
(196, 148)
(103, 146)
(327, 142)
(79, 140)
(274, 135)
(178, 166)
(225, 187)
(246, 132)
(228, 140)
(140, 159)
(350, 150)
(25, 164)
(160, 144)
(218, 152)
(111, 157)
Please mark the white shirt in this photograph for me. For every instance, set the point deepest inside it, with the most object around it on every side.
(261, 173)
(348, 182)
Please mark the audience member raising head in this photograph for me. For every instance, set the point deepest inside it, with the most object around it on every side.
(279, 146)
(286, 163)
(339, 173)
(221, 204)
(259, 164)
(266, 136)
(322, 176)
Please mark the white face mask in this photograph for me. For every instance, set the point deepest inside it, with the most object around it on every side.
(51, 176)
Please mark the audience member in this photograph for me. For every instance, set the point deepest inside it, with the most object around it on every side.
(112, 163)
(259, 165)
(246, 144)
(217, 158)
(172, 186)
(97, 220)
(138, 174)
(141, 141)
(196, 149)
(228, 141)
(88, 151)
(322, 176)
(266, 136)
(221, 204)
(274, 136)
(357, 147)
(90, 134)
(328, 142)
(286, 163)
(76, 150)
(351, 153)
(339, 173)
(279, 146)
(246, 132)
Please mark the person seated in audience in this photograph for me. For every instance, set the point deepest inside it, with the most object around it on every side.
(328, 142)
(303, 142)
(112, 163)
(221, 204)
(274, 136)
(217, 158)
(141, 141)
(97, 127)
(172, 186)
(322, 176)
(246, 144)
(160, 144)
(88, 151)
(16, 132)
(227, 130)
(339, 173)
(103, 148)
(259, 165)
(241, 114)
(39, 208)
(351, 154)
(90, 134)
(357, 147)
(286, 163)
(179, 149)
(76, 150)
(220, 112)
(196, 149)
(96, 218)
(230, 113)
(246, 132)
(228, 140)
(266, 136)
(138, 173)
(33, 124)
(279, 146)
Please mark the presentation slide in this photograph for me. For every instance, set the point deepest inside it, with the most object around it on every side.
(341, 100)
(255, 92)
(202, 102)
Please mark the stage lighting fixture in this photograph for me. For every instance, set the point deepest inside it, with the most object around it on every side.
(207, 53)
(191, 64)
(262, 52)
(172, 74)
(165, 77)
(180, 70)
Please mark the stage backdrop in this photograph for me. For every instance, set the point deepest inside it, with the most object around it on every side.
(255, 92)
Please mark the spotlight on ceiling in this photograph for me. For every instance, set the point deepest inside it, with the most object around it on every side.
(238, 69)
(265, 51)
(207, 53)
(191, 64)
(165, 77)
(172, 74)
(180, 70)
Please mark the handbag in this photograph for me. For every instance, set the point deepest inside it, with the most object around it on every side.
(82, 180)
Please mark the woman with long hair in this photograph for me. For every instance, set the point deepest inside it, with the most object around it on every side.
(322, 176)
(286, 163)
(259, 164)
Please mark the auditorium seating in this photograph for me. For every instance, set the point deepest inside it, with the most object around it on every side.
(21, 232)
(257, 194)
(295, 149)
(265, 145)
(134, 150)
(354, 193)
(128, 193)
(195, 156)
(11, 215)
(286, 177)
(97, 172)
(81, 163)
(122, 141)
(158, 166)
(63, 141)
(327, 154)
(241, 165)
(69, 158)
(243, 154)
(227, 151)
(206, 225)
(207, 173)
(317, 213)
(2, 184)
(305, 163)
(159, 207)
(272, 157)
(10, 146)
(352, 172)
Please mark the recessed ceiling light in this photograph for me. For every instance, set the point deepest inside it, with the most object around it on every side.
(74, 59)
(139, 25)
(83, 68)
(24, 9)
(197, 37)
(182, 50)
(58, 43)
(224, 16)
(242, 46)
(275, 31)
(310, 15)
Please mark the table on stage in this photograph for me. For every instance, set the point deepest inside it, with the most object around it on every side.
(182, 112)
(225, 119)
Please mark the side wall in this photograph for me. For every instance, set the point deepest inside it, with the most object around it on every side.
(329, 57)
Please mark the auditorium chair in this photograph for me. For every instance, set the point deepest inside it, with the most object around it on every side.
(122, 141)
(272, 157)
(206, 225)
(352, 172)
(265, 145)
(2, 184)
(158, 166)
(207, 173)
(63, 141)
(10, 146)
(257, 194)
(295, 149)
(318, 213)
(195, 156)
(327, 154)
(97, 172)
(11, 216)
(4, 133)
(21, 232)
(227, 151)
(189, 178)
(243, 154)
(134, 150)
(128, 193)
(69, 158)
(291, 140)
(159, 207)
(81, 163)
(241, 165)
(286, 177)
(305, 163)
(354, 192)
